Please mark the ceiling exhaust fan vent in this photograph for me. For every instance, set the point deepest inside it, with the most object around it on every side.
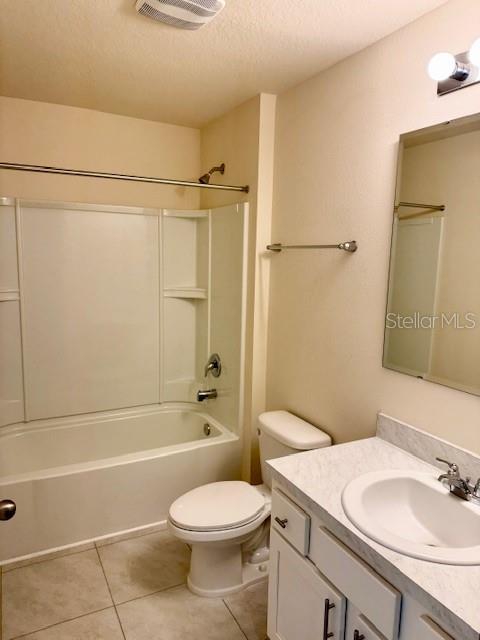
(184, 14)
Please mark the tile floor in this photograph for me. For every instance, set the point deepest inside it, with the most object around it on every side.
(129, 590)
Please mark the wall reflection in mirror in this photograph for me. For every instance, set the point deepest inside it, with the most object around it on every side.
(432, 328)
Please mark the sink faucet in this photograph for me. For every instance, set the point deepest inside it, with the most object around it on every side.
(206, 395)
(452, 473)
(461, 487)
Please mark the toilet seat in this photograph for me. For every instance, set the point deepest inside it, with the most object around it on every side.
(218, 506)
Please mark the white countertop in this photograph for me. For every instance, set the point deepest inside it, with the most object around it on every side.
(317, 478)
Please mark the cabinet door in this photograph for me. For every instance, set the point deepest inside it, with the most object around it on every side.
(302, 605)
(375, 597)
(417, 622)
(358, 627)
(431, 631)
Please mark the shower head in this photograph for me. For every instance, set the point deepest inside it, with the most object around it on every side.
(205, 179)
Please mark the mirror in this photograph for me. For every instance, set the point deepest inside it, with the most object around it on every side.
(432, 327)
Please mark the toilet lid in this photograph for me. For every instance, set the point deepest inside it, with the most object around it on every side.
(220, 505)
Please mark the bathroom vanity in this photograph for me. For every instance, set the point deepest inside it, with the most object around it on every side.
(329, 580)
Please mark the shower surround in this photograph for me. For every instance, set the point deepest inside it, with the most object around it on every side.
(107, 317)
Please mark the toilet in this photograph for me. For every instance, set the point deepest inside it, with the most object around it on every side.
(227, 523)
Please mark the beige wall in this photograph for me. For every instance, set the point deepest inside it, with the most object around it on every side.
(335, 169)
(244, 140)
(48, 134)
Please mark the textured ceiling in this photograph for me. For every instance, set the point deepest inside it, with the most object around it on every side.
(101, 54)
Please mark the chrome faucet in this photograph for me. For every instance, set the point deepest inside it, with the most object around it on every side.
(461, 487)
(452, 473)
(213, 366)
(206, 395)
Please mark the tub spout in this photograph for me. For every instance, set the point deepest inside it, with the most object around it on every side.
(206, 395)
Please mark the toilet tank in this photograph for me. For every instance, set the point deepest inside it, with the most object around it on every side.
(280, 433)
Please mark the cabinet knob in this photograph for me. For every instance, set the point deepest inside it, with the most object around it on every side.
(282, 523)
(357, 635)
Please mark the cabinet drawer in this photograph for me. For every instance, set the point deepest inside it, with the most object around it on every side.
(373, 596)
(290, 521)
(429, 630)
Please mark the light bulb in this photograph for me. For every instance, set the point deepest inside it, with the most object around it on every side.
(474, 53)
(442, 66)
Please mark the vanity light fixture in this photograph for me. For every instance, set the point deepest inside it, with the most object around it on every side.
(444, 65)
(455, 72)
(474, 53)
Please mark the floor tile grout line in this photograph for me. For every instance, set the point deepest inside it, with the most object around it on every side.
(144, 595)
(105, 576)
(99, 544)
(110, 592)
(233, 616)
(116, 605)
(120, 623)
(94, 545)
(6, 569)
(153, 593)
(57, 624)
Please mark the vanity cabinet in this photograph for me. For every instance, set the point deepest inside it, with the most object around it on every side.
(320, 589)
(303, 605)
(418, 623)
(358, 627)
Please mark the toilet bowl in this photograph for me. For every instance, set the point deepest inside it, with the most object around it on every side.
(227, 523)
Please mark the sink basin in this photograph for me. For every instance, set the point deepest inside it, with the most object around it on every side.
(414, 514)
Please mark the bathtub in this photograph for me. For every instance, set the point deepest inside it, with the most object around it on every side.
(75, 480)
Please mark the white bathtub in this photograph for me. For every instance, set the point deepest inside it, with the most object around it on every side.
(79, 479)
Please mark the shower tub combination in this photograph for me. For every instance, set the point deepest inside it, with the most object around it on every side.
(82, 479)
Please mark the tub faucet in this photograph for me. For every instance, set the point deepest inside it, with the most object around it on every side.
(206, 395)
(213, 366)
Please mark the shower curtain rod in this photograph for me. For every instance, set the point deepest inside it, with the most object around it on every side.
(426, 209)
(118, 176)
(418, 205)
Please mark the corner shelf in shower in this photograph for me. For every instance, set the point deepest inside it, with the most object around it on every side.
(189, 293)
(185, 283)
(190, 214)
